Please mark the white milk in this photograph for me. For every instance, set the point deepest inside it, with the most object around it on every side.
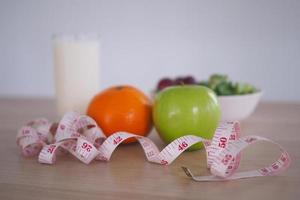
(77, 72)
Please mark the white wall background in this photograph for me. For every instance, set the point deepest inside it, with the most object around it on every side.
(256, 41)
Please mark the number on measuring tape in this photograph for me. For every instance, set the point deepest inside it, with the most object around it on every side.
(86, 146)
(232, 137)
(117, 140)
(222, 142)
(182, 146)
(226, 159)
(164, 162)
(51, 149)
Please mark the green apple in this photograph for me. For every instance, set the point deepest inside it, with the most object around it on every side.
(186, 110)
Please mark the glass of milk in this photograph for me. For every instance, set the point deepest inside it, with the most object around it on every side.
(77, 71)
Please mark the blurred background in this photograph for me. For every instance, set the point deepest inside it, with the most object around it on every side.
(255, 41)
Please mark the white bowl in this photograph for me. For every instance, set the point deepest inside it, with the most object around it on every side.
(238, 107)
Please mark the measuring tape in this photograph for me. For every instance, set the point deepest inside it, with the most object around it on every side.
(80, 135)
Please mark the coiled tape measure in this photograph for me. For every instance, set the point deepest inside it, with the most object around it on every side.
(80, 135)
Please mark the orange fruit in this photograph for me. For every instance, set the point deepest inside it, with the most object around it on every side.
(122, 108)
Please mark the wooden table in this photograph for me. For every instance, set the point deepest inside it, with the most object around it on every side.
(129, 176)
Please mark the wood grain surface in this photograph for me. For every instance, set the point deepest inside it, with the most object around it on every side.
(129, 176)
